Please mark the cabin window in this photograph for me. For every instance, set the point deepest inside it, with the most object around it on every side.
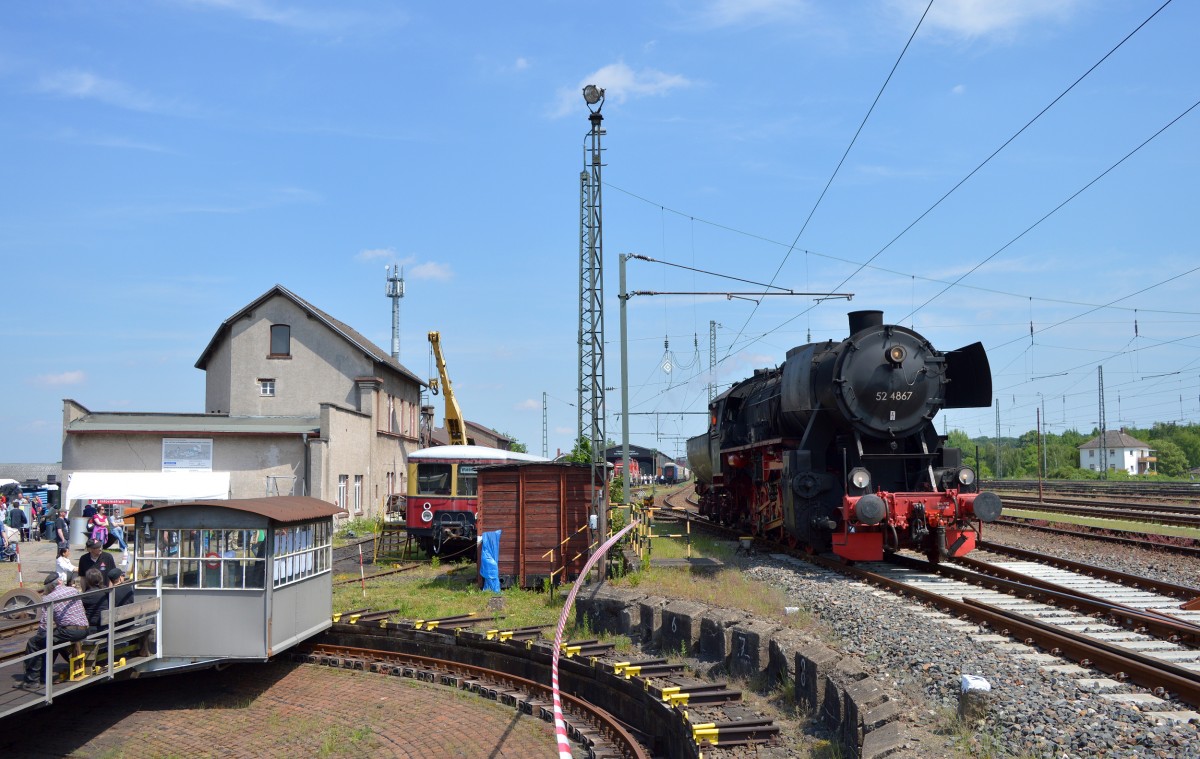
(302, 551)
(213, 559)
(468, 480)
(433, 479)
(281, 340)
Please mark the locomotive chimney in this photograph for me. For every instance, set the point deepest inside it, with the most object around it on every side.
(860, 320)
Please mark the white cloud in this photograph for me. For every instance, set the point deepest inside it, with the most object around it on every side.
(751, 12)
(295, 17)
(121, 143)
(529, 404)
(958, 89)
(620, 82)
(431, 270)
(64, 378)
(85, 85)
(372, 254)
(980, 18)
(521, 64)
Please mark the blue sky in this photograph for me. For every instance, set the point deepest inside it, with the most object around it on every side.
(167, 161)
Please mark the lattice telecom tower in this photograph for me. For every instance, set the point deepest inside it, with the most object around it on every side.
(395, 291)
(591, 295)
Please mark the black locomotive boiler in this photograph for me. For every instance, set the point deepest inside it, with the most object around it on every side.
(836, 449)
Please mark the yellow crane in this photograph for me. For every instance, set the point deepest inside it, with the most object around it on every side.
(455, 424)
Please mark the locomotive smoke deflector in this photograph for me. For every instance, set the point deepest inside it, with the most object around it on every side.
(969, 378)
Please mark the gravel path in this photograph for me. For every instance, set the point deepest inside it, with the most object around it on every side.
(1033, 713)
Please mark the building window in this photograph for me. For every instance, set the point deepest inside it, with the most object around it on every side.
(343, 481)
(1092, 453)
(281, 340)
(358, 494)
(266, 387)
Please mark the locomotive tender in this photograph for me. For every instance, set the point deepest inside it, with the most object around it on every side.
(836, 449)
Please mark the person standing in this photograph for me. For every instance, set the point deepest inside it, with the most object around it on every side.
(96, 557)
(16, 520)
(61, 530)
(70, 624)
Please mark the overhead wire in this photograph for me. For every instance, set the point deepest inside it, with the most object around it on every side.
(836, 169)
(975, 170)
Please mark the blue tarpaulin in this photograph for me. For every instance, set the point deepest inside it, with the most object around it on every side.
(489, 561)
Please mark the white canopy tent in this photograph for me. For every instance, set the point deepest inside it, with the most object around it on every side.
(147, 486)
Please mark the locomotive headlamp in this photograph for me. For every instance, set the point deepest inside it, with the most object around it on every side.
(896, 354)
(860, 479)
(966, 476)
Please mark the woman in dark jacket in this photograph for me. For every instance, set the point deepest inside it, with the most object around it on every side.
(94, 604)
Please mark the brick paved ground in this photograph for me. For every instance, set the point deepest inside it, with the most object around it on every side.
(276, 709)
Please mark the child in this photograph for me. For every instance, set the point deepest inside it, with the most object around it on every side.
(64, 566)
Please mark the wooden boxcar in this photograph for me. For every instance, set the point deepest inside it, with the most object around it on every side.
(542, 512)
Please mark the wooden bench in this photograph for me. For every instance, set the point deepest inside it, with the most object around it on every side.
(132, 639)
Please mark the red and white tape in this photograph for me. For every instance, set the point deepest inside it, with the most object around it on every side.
(560, 727)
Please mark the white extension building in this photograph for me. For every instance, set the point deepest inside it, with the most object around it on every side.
(1124, 452)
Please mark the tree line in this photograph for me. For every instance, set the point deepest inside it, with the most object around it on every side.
(1176, 446)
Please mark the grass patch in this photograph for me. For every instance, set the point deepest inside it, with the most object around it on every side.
(1140, 528)
(432, 592)
(979, 741)
(444, 589)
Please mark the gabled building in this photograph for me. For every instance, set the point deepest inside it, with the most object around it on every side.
(1124, 452)
(296, 403)
(477, 434)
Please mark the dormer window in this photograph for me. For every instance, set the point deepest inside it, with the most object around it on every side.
(281, 341)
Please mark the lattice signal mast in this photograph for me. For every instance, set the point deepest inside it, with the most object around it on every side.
(591, 295)
(395, 291)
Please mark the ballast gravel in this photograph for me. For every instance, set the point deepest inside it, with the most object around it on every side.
(1033, 713)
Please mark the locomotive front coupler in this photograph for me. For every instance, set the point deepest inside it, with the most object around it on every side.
(823, 523)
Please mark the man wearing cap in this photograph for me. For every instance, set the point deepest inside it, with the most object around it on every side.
(70, 624)
(96, 557)
(124, 591)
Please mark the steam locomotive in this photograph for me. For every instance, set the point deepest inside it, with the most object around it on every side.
(835, 450)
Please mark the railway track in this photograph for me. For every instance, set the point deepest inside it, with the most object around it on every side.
(1095, 617)
(587, 724)
(633, 707)
(1180, 492)
(1167, 514)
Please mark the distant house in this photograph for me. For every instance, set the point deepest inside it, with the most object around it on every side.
(1124, 452)
(477, 434)
(296, 403)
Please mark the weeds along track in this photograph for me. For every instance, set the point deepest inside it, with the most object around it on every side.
(621, 707)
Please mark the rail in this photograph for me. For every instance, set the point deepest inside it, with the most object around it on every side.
(457, 673)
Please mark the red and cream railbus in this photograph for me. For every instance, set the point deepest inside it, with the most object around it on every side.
(443, 487)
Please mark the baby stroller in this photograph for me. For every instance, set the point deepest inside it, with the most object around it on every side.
(8, 543)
